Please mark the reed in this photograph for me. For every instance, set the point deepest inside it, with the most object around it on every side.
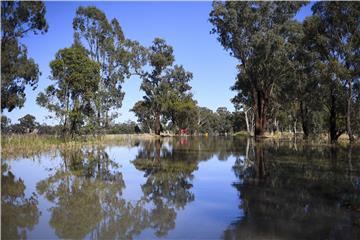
(26, 145)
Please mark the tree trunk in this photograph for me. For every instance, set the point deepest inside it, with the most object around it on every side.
(157, 124)
(247, 120)
(332, 126)
(260, 116)
(295, 123)
(348, 113)
(276, 125)
(304, 119)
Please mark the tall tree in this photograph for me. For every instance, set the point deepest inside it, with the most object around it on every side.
(333, 32)
(18, 70)
(254, 33)
(224, 121)
(180, 108)
(116, 55)
(160, 58)
(5, 123)
(338, 40)
(144, 115)
(166, 87)
(71, 97)
(28, 123)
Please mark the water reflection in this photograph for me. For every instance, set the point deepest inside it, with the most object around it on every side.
(168, 184)
(18, 213)
(273, 190)
(88, 185)
(297, 193)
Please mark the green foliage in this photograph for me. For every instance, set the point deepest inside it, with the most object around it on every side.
(17, 69)
(128, 127)
(117, 56)
(167, 91)
(293, 74)
(28, 123)
(72, 95)
(5, 123)
(256, 34)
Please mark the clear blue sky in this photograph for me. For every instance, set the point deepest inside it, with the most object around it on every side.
(184, 25)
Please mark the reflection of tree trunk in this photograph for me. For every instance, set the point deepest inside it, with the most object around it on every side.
(350, 161)
(333, 155)
(259, 160)
(157, 150)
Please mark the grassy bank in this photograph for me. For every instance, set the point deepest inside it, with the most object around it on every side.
(322, 138)
(31, 144)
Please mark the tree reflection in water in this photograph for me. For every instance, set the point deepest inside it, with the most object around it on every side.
(87, 193)
(168, 183)
(18, 213)
(297, 193)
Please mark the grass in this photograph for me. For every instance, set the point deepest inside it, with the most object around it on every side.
(322, 139)
(13, 146)
(242, 134)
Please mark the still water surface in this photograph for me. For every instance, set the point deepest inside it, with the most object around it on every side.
(184, 188)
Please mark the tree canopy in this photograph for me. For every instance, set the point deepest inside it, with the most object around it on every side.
(18, 18)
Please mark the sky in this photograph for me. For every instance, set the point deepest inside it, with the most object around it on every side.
(184, 25)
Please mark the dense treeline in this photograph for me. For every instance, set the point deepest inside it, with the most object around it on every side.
(301, 74)
(221, 122)
(292, 76)
(29, 125)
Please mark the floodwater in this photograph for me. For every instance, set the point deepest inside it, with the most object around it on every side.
(184, 188)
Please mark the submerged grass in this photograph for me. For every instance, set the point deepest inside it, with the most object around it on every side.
(318, 139)
(13, 146)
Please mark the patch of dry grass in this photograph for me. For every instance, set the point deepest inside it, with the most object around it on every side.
(27, 145)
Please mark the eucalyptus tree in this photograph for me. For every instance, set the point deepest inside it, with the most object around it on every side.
(255, 34)
(205, 120)
(28, 123)
(18, 18)
(224, 121)
(143, 113)
(161, 57)
(179, 105)
(333, 32)
(5, 124)
(117, 56)
(307, 77)
(166, 87)
(72, 94)
(337, 39)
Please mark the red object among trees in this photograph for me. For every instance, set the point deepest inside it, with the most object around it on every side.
(183, 131)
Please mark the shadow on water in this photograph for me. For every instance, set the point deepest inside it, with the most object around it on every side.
(297, 192)
(286, 191)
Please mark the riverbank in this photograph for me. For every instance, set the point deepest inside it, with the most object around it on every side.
(26, 145)
(322, 138)
(31, 144)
